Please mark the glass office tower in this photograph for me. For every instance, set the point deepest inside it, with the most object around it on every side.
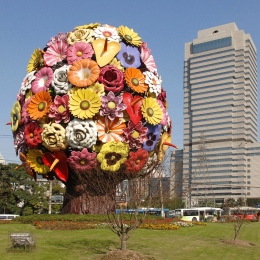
(220, 149)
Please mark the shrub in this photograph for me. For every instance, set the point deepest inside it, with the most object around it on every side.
(66, 217)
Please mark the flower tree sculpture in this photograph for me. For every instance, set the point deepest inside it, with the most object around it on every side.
(91, 112)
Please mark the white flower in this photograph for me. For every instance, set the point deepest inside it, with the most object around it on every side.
(60, 81)
(81, 133)
(154, 82)
(27, 82)
(80, 35)
(107, 32)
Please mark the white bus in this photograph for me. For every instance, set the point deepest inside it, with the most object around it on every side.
(187, 214)
(8, 216)
(208, 213)
(198, 214)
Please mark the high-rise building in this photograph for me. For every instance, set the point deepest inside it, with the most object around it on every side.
(221, 156)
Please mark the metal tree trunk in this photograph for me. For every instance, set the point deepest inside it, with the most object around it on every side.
(92, 193)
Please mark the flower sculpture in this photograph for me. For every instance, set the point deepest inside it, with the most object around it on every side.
(92, 102)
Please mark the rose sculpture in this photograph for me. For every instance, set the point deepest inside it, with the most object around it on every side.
(91, 108)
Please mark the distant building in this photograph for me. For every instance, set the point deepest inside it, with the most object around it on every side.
(176, 173)
(2, 160)
(220, 111)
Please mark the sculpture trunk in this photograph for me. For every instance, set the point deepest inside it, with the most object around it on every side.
(90, 194)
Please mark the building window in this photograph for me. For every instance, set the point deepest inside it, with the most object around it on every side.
(211, 45)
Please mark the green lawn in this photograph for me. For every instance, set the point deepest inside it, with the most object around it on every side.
(198, 242)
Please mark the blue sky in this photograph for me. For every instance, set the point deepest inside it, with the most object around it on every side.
(165, 25)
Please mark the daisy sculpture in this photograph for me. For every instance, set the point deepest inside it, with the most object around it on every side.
(90, 111)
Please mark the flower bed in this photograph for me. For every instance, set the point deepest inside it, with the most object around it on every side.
(64, 225)
(160, 226)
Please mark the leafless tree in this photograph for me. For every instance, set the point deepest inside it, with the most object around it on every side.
(239, 220)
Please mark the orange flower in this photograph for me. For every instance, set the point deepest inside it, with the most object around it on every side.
(110, 130)
(83, 73)
(39, 105)
(135, 80)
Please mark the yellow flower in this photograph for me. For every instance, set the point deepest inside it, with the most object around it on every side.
(88, 26)
(112, 155)
(98, 88)
(115, 62)
(84, 103)
(35, 161)
(28, 94)
(129, 35)
(36, 60)
(15, 115)
(151, 111)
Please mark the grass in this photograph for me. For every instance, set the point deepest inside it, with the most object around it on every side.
(198, 242)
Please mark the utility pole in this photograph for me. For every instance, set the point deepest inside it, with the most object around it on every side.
(161, 195)
(50, 195)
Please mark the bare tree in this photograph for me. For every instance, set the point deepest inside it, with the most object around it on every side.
(144, 192)
(126, 220)
(239, 220)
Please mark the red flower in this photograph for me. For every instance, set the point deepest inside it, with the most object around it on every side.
(162, 96)
(136, 161)
(112, 78)
(32, 133)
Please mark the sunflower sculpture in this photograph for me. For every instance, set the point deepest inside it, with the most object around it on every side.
(91, 107)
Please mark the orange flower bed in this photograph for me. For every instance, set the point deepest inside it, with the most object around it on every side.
(64, 225)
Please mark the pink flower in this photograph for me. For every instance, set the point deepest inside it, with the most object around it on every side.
(56, 53)
(147, 58)
(112, 106)
(42, 80)
(135, 135)
(59, 37)
(82, 161)
(59, 109)
(165, 115)
(79, 51)
(19, 140)
(25, 116)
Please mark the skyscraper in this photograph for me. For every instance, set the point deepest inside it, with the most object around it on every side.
(220, 149)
